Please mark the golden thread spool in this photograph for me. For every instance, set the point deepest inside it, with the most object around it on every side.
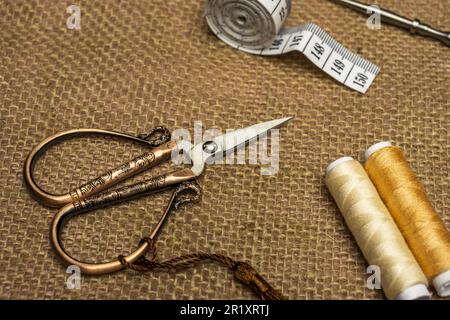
(419, 223)
(375, 231)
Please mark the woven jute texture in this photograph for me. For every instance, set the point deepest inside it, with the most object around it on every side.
(138, 64)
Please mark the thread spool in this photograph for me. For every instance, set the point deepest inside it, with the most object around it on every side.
(419, 223)
(375, 231)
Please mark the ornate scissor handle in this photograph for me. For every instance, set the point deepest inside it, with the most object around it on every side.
(146, 160)
(88, 197)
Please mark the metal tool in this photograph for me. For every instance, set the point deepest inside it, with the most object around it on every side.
(414, 26)
(88, 197)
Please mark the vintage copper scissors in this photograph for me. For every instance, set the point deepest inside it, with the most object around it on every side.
(89, 196)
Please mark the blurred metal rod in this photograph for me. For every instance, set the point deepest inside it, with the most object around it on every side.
(414, 26)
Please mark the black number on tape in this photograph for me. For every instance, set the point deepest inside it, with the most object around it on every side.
(318, 51)
(296, 40)
(282, 13)
(360, 80)
(338, 66)
(276, 44)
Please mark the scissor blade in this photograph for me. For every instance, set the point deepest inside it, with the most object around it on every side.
(215, 148)
(238, 138)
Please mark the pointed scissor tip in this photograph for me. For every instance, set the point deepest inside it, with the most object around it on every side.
(264, 127)
(283, 121)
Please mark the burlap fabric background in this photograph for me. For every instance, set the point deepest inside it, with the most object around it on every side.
(137, 64)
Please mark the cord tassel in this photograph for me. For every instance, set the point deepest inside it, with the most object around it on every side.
(242, 271)
(246, 274)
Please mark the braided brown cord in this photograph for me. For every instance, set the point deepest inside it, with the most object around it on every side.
(242, 271)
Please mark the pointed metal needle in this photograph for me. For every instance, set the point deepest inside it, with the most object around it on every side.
(414, 26)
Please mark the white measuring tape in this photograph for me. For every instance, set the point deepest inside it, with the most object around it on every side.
(255, 26)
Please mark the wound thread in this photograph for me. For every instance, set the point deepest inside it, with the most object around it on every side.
(414, 214)
(375, 231)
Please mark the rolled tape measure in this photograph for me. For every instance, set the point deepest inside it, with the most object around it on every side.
(256, 27)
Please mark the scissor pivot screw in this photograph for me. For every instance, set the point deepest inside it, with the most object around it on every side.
(210, 147)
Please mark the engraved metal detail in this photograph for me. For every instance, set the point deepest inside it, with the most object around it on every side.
(185, 187)
(123, 193)
(99, 183)
(157, 136)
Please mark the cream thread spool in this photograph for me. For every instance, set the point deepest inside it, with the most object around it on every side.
(412, 286)
(441, 282)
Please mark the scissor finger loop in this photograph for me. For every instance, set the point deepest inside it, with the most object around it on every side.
(92, 195)
(95, 202)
